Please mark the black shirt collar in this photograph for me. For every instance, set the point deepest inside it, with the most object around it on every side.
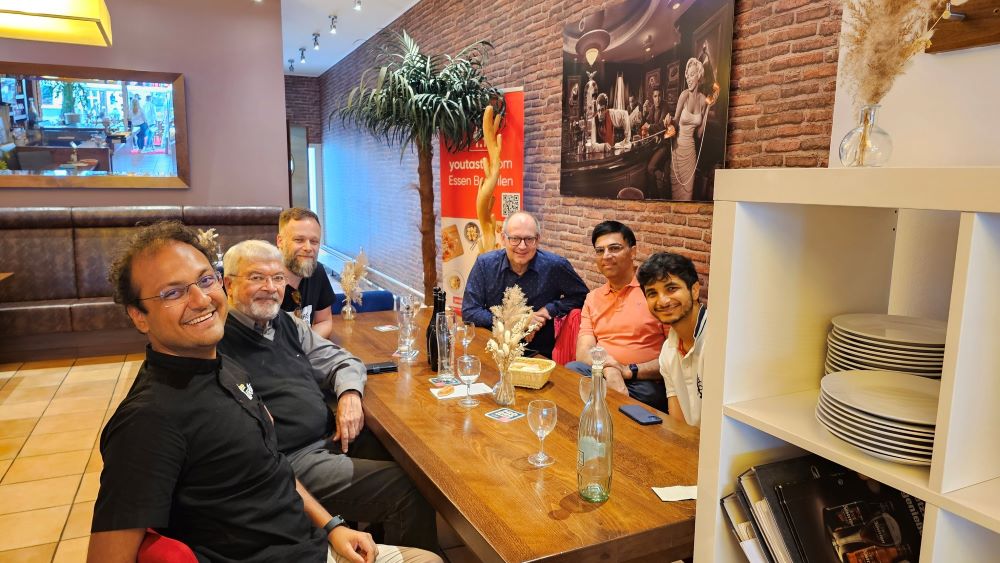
(181, 364)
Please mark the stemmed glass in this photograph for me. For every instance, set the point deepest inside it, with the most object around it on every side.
(541, 419)
(469, 368)
(219, 254)
(467, 331)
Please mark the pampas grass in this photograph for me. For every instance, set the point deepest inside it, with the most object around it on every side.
(511, 323)
(207, 238)
(879, 39)
(354, 273)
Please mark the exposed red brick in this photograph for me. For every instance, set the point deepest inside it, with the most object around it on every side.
(786, 5)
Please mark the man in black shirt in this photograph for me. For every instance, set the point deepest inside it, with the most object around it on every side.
(293, 369)
(309, 294)
(191, 451)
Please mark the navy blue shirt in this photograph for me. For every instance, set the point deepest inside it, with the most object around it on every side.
(550, 281)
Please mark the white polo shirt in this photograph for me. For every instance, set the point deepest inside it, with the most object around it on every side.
(682, 375)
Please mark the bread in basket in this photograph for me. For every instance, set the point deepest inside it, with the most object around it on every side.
(532, 373)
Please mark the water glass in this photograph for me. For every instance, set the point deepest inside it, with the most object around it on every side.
(468, 333)
(469, 368)
(542, 420)
(444, 324)
(405, 350)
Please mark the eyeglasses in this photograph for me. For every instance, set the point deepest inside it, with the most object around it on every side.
(261, 279)
(610, 250)
(179, 294)
(516, 241)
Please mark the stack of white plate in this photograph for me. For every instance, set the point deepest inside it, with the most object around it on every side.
(886, 414)
(886, 342)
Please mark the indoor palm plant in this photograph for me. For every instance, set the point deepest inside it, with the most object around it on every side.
(408, 97)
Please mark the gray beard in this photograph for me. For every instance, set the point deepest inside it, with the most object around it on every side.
(260, 312)
(302, 267)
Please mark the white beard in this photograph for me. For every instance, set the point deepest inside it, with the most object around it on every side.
(302, 267)
(261, 311)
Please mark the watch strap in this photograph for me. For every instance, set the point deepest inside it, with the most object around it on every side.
(337, 520)
(634, 368)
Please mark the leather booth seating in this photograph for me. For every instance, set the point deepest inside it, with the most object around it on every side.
(58, 301)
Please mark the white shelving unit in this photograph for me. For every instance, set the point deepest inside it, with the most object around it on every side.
(793, 248)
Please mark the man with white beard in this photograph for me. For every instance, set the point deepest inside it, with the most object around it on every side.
(309, 294)
(292, 368)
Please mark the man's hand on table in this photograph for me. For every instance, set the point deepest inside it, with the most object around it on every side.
(354, 546)
(350, 418)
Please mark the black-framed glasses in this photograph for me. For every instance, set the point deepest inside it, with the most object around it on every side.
(610, 250)
(528, 241)
(257, 278)
(179, 294)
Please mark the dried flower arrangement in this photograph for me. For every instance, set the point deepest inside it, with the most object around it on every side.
(879, 39)
(208, 238)
(511, 323)
(354, 273)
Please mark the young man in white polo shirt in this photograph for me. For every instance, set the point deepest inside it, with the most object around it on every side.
(670, 284)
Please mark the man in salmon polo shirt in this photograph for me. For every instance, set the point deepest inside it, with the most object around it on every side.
(616, 317)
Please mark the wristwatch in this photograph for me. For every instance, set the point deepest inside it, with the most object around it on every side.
(635, 370)
(337, 520)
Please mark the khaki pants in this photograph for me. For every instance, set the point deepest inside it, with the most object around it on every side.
(393, 554)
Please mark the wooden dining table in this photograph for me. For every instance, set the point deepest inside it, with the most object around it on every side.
(475, 472)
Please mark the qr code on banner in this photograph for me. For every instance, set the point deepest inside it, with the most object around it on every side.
(509, 204)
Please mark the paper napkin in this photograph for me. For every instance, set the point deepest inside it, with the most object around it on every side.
(458, 391)
(676, 493)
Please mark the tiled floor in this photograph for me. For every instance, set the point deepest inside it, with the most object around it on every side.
(51, 414)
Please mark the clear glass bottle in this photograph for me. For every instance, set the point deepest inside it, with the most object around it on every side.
(595, 438)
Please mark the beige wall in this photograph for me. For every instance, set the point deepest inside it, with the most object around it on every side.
(230, 54)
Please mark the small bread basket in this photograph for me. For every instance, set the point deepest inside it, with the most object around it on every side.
(532, 373)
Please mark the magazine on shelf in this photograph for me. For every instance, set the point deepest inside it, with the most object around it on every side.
(739, 522)
(849, 518)
(762, 514)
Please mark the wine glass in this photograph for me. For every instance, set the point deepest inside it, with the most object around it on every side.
(541, 419)
(469, 368)
(586, 387)
(468, 334)
(219, 254)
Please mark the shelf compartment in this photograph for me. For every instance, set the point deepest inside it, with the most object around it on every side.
(948, 537)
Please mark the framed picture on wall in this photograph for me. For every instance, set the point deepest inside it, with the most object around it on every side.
(652, 82)
(673, 89)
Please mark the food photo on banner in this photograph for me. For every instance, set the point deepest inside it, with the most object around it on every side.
(645, 99)
(464, 235)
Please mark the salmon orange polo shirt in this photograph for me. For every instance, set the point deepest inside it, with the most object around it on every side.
(622, 323)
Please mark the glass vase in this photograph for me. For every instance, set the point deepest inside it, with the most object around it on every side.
(348, 311)
(867, 144)
(503, 391)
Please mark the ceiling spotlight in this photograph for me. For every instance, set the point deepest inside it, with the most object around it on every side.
(676, 5)
(291, 65)
(357, 5)
(648, 43)
(316, 41)
(333, 25)
(302, 55)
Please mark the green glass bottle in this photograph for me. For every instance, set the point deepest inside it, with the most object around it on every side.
(595, 438)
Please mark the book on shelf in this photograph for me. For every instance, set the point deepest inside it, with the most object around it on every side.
(742, 526)
(810, 510)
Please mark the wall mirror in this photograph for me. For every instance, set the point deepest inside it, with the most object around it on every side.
(79, 127)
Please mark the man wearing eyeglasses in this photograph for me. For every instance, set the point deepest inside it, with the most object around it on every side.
(616, 317)
(549, 282)
(191, 450)
(294, 369)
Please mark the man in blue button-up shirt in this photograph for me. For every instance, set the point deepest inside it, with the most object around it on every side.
(551, 285)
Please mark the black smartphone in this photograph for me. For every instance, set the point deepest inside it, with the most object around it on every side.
(381, 367)
(640, 415)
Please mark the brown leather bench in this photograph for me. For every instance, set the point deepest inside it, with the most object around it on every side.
(58, 301)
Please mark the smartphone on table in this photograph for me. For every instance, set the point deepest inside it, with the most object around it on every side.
(640, 414)
(381, 367)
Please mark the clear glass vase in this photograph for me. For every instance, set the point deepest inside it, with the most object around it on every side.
(503, 391)
(867, 144)
(348, 311)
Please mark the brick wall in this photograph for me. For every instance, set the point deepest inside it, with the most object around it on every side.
(302, 105)
(783, 82)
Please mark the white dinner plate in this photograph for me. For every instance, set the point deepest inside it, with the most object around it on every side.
(853, 342)
(915, 430)
(861, 426)
(880, 453)
(893, 328)
(847, 365)
(888, 394)
(863, 363)
(873, 439)
(864, 353)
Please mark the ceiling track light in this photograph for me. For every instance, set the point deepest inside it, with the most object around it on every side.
(315, 41)
(291, 65)
(302, 55)
(357, 5)
(333, 25)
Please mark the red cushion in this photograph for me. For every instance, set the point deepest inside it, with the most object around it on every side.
(567, 329)
(161, 549)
